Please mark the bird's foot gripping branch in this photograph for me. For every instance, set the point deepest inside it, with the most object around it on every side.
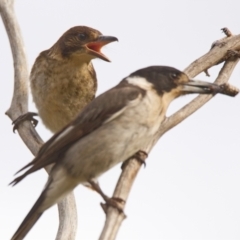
(25, 117)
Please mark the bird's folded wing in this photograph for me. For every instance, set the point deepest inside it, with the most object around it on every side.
(102, 109)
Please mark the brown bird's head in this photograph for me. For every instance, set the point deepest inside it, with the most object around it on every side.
(82, 42)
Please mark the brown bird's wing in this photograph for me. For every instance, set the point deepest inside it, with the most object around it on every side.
(104, 108)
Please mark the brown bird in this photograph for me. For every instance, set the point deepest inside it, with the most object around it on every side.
(63, 79)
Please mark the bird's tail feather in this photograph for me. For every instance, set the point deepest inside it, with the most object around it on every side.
(29, 221)
(35, 213)
(57, 187)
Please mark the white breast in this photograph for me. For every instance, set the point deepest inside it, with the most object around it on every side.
(121, 137)
(151, 111)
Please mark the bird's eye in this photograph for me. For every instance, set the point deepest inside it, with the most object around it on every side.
(82, 36)
(173, 75)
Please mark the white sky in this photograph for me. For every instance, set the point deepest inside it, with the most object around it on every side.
(190, 187)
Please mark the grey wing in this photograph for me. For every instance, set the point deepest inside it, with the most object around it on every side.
(104, 108)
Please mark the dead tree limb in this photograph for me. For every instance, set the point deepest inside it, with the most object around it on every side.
(217, 54)
(67, 207)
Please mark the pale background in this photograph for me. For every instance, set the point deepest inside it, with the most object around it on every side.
(190, 187)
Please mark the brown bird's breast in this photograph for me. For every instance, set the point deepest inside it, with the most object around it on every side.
(60, 89)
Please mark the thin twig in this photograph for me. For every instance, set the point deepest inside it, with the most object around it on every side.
(113, 217)
(67, 207)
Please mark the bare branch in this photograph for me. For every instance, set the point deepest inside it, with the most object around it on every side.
(214, 56)
(67, 211)
(19, 106)
(227, 32)
(19, 103)
(113, 217)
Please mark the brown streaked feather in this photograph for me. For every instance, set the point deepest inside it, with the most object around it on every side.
(92, 117)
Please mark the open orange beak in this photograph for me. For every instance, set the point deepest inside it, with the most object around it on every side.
(94, 48)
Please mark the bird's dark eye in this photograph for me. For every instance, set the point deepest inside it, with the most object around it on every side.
(173, 75)
(82, 36)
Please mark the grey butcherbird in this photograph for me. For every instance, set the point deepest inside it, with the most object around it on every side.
(109, 130)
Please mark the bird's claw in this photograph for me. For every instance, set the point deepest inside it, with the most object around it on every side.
(116, 203)
(140, 156)
(27, 116)
(96, 187)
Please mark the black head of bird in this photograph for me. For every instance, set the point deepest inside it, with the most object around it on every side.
(169, 80)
